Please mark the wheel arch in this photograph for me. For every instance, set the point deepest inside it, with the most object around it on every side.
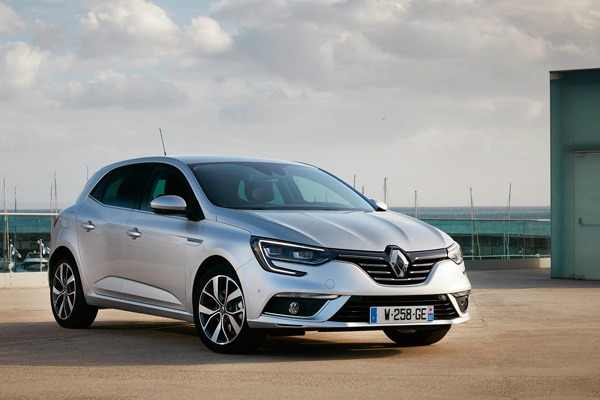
(61, 251)
(206, 265)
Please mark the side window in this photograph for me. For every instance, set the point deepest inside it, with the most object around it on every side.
(120, 186)
(167, 180)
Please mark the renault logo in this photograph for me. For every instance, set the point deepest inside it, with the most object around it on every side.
(399, 263)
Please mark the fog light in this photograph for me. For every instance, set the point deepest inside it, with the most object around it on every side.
(297, 304)
(294, 308)
(462, 298)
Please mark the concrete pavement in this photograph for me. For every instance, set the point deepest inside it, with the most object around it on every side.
(529, 337)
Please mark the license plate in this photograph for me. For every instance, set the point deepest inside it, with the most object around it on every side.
(401, 315)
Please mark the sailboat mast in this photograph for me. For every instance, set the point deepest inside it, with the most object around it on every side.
(416, 206)
(474, 231)
(472, 225)
(55, 193)
(508, 233)
(385, 200)
(5, 231)
(15, 227)
(51, 207)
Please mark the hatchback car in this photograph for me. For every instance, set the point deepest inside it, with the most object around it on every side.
(246, 247)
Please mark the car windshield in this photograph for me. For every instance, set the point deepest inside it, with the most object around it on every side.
(275, 186)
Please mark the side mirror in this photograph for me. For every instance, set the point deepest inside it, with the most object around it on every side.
(381, 206)
(169, 205)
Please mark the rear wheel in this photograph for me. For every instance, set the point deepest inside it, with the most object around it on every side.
(220, 313)
(417, 337)
(66, 296)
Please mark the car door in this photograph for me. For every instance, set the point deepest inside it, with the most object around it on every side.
(101, 225)
(160, 248)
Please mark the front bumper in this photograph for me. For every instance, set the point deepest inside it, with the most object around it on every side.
(345, 280)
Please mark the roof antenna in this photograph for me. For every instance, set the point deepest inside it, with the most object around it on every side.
(162, 140)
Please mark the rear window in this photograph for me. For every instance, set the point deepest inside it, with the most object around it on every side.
(120, 187)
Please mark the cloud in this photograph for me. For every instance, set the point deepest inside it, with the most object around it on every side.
(463, 84)
(259, 104)
(112, 89)
(245, 113)
(137, 28)
(54, 38)
(207, 36)
(20, 66)
(345, 45)
(134, 27)
(9, 19)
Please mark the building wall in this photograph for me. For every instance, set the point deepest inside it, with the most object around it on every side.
(574, 127)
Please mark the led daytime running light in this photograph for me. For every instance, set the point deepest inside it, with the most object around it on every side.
(268, 251)
(455, 253)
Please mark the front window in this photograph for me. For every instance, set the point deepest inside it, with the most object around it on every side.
(275, 186)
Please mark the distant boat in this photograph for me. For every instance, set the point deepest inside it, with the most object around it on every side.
(35, 261)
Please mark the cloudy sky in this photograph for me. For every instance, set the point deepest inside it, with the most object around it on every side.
(439, 96)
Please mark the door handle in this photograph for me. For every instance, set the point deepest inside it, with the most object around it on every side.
(580, 221)
(134, 233)
(88, 226)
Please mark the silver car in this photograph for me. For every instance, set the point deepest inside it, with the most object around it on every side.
(246, 247)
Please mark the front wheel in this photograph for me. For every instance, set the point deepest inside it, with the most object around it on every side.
(417, 337)
(220, 313)
(66, 296)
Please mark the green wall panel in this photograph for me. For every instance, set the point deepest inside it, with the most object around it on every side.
(574, 127)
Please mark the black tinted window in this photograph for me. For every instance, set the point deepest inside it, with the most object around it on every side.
(167, 180)
(120, 187)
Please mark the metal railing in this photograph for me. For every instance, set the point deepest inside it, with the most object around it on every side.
(485, 238)
(480, 238)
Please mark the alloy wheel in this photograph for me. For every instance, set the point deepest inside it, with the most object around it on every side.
(63, 291)
(221, 309)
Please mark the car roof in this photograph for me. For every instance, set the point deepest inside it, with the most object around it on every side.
(211, 158)
(198, 159)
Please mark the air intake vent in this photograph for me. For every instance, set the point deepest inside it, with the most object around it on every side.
(357, 308)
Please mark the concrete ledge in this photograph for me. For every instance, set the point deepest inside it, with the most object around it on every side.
(23, 280)
(515, 263)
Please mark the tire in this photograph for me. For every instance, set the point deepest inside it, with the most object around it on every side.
(67, 301)
(220, 315)
(417, 337)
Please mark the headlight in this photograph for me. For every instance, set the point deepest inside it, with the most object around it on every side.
(455, 253)
(268, 251)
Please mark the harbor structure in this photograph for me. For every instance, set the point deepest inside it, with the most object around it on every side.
(575, 173)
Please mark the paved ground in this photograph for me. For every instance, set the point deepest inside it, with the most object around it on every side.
(529, 337)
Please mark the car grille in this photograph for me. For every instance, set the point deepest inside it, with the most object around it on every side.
(357, 308)
(377, 265)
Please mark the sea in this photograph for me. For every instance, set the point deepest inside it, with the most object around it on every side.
(28, 223)
(480, 212)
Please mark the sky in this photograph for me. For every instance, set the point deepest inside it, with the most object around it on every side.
(439, 96)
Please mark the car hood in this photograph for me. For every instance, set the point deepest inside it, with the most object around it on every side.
(353, 230)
